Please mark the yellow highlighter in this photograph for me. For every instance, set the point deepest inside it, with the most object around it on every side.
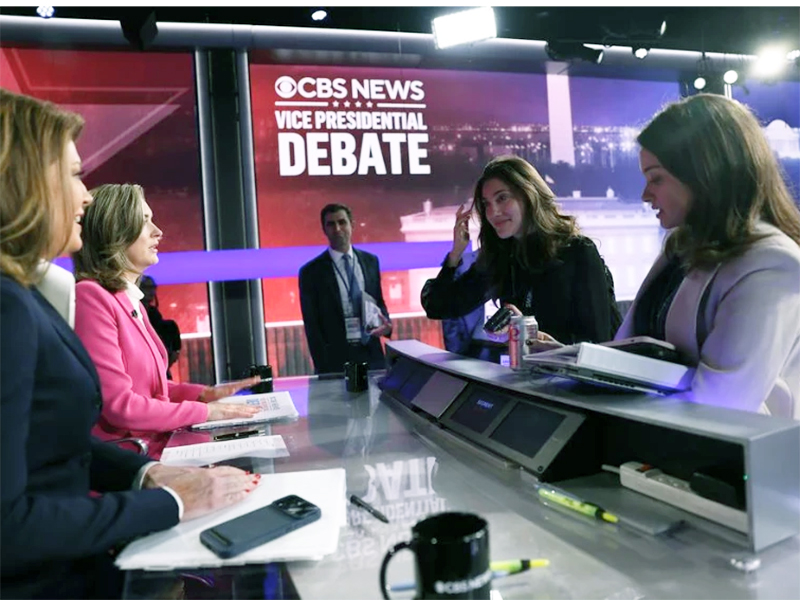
(572, 503)
(511, 567)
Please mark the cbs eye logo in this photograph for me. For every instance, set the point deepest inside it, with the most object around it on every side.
(285, 87)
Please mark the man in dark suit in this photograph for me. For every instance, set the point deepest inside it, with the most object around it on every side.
(331, 298)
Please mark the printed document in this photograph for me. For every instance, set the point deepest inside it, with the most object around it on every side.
(197, 455)
(274, 406)
(180, 547)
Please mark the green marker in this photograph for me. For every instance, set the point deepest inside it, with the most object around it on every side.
(585, 508)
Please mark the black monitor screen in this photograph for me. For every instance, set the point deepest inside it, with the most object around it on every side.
(527, 428)
(479, 410)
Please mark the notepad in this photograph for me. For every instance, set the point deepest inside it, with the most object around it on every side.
(274, 406)
(197, 455)
(180, 547)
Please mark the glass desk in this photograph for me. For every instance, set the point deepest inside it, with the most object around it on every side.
(408, 474)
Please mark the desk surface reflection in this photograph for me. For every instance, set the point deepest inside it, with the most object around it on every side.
(392, 465)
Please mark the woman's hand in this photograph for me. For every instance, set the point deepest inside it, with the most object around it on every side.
(223, 390)
(218, 411)
(202, 490)
(460, 236)
(543, 342)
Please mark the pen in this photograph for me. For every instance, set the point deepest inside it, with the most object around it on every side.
(572, 503)
(500, 569)
(370, 509)
(236, 435)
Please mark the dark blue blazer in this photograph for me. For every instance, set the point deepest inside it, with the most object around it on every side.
(49, 399)
(323, 317)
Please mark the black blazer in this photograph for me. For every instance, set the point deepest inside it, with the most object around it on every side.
(572, 297)
(323, 317)
(49, 400)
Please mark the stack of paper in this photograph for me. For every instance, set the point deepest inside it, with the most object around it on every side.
(197, 455)
(274, 406)
(180, 547)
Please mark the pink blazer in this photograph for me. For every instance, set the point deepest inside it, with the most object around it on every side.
(138, 399)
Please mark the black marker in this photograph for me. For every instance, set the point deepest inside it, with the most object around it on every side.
(236, 436)
(370, 509)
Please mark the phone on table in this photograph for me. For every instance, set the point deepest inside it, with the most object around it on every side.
(498, 320)
(238, 535)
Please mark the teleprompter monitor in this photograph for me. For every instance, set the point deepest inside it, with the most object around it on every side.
(438, 393)
(523, 429)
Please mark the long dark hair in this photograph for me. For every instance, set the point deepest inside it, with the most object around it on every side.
(545, 229)
(715, 147)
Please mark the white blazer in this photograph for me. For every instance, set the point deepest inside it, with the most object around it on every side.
(740, 322)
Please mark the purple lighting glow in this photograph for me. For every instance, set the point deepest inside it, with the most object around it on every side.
(265, 263)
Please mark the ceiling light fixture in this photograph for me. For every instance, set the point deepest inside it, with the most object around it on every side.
(640, 52)
(793, 55)
(45, 11)
(319, 15)
(770, 62)
(730, 77)
(566, 51)
(464, 27)
(700, 82)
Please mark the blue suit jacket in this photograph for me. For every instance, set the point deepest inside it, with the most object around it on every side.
(49, 399)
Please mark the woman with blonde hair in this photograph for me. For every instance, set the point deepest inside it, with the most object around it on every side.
(120, 241)
(726, 288)
(532, 258)
(55, 536)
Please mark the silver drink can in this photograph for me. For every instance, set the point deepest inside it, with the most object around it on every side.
(520, 330)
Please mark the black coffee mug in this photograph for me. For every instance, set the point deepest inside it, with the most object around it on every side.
(265, 371)
(452, 557)
(355, 376)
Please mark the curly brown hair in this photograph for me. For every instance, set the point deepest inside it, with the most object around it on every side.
(545, 230)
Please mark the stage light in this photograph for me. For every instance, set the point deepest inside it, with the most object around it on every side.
(640, 52)
(565, 51)
(464, 27)
(700, 83)
(770, 62)
(663, 29)
(793, 55)
(45, 11)
(730, 77)
(319, 15)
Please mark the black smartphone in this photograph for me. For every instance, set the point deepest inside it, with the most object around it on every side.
(238, 535)
(498, 320)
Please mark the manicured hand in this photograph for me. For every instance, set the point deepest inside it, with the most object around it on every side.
(460, 235)
(543, 342)
(218, 411)
(203, 490)
(229, 388)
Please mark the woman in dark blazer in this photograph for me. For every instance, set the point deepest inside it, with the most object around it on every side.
(55, 535)
(532, 258)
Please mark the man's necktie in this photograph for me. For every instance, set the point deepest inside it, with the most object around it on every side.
(353, 289)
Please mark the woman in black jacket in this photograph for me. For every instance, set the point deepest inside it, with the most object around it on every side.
(532, 258)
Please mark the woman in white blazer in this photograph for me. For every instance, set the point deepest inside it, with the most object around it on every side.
(726, 288)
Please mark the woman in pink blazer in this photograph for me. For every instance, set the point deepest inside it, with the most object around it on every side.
(120, 240)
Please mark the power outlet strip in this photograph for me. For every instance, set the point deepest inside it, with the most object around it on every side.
(671, 490)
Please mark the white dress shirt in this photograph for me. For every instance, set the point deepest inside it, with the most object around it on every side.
(340, 271)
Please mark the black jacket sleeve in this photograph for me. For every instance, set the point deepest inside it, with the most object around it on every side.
(594, 306)
(312, 317)
(448, 297)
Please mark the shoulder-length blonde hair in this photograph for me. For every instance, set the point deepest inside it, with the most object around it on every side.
(545, 230)
(36, 213)
(112, 223)
(715, 147)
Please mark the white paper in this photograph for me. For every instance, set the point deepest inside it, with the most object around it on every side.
(196, 455)
(180, 547)
(371, 312)
(274, 406)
